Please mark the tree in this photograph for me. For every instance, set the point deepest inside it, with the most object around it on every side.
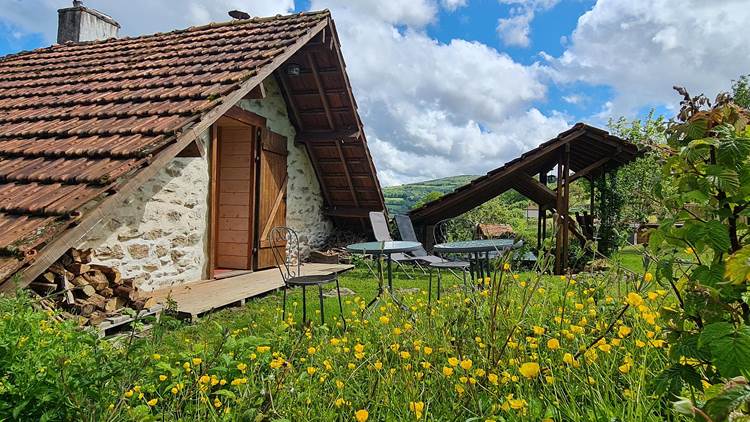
(741, 91)
(432, 196)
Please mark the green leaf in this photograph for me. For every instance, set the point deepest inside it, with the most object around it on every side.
(738, 266)
(225, 393)
(732, 353)
(716, 235)
(713, 332)
(719, 407)
(687, 347)
(723, 178)
(709, 276)
(673, 378)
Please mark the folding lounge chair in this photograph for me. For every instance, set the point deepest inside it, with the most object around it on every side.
(382, 234)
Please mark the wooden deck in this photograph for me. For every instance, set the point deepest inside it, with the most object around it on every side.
(199, 297)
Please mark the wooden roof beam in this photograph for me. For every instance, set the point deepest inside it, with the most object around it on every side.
(348, 135)
(534, 190)
(321, 91)
(281, 77)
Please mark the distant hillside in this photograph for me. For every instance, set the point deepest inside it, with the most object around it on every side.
(400, 199)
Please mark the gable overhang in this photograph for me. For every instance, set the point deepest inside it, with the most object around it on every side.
(21, 269)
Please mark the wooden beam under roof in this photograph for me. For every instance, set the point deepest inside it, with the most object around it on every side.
(534, 190)
(346, 135)
(321, 90)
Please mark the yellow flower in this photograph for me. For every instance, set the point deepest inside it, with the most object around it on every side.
(624, 368)
(417, 408)
(262, 349)
(506, 266)
(460, 389)
(529, 369)
(466, 364)
(204, 379)
(162, 377)
(452, 361)
(152, 402)
(405, 355)
(174, 390)
(492, 378)
(378, 365)
(427, 350)
(384, 319)
(639, 343)
(197, 361)
(538, 330)
(447, 371)
(361, 415)
(156, 356)
(242, 367)
(605, 347)
(217, 403)
(648, 277)
(634, 299)
(570, 360)
(624, 331)
(579, 306)
(129, 393)
(339, 402)
(517, 404)
(310, 350)
(553, 344)
(311, 370)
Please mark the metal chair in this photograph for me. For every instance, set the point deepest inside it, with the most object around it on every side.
(286, 252)
(443, 262)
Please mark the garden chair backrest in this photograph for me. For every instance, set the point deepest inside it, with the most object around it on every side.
(406, 230)
(380, 226)
(286, 251)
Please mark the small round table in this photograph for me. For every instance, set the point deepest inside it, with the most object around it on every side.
(383, 249)
(475, 248)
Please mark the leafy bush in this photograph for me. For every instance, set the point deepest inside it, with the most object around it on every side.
(703, 246)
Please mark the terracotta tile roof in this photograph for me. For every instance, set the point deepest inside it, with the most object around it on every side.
(76, 119)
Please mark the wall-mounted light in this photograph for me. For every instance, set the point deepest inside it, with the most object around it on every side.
(293, 69)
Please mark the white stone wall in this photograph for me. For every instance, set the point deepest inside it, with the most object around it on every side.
(304, 207)
(159, 235)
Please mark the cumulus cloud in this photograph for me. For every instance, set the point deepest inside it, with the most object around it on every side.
(137, 17)
(436, 109)
(642, 47)
(516, 28)
(453, 4)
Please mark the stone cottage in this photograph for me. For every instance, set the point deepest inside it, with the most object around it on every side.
(172, 155)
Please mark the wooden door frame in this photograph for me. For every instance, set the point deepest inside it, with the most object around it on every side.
(255, 123)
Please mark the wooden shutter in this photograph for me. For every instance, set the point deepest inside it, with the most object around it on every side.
(272, 182)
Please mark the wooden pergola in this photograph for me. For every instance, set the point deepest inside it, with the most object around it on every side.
(581, 151)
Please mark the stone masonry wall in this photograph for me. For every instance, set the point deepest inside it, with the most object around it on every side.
(304, 207)
(159, 235)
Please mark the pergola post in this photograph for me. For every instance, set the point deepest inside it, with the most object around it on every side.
(562, 205)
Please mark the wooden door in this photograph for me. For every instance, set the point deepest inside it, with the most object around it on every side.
(235, 197)
(272, 182)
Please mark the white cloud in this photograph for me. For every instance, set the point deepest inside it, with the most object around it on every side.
(453, 4)
(573, 99)
(515, 29)
(430, 109)
(137, 17)
(641, 48)
(438, 109)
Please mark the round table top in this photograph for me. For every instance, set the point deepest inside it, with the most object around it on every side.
(470, 246)
(378, 248)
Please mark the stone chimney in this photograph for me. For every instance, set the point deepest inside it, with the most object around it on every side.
(79, 23)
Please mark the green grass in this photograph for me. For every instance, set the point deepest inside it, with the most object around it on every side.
(328, 378)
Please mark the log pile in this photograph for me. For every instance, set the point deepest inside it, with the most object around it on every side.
(91, 291)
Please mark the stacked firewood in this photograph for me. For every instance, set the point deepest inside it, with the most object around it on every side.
(91, 291)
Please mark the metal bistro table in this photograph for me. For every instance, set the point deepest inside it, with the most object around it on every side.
(379, 249)
(475, 249)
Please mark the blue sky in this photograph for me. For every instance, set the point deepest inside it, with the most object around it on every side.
(462, 86)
